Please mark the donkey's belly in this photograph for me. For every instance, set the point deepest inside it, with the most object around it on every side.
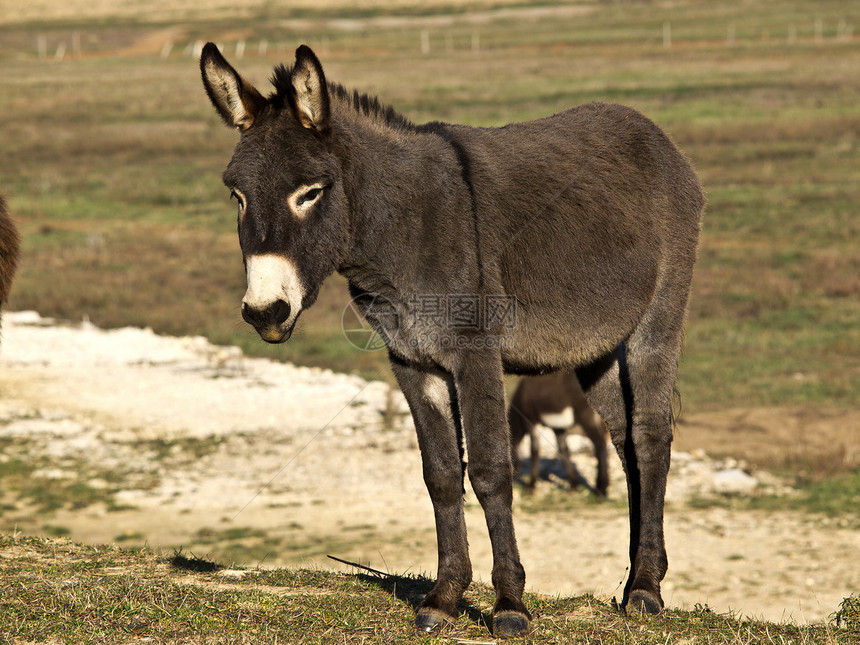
(552, 332)
(528, 353)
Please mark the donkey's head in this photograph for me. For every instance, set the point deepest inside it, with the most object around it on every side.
(293, 217)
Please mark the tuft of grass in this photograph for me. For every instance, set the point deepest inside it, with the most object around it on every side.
(193, 563)
(848, 615)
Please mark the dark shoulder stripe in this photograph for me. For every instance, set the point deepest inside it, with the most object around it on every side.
(441, 130)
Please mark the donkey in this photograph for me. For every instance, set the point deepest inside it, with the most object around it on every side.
(557, 402)
(566, 242)
(9, 250)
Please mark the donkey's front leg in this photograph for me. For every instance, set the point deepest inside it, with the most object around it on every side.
(431, 399)
(481, 397)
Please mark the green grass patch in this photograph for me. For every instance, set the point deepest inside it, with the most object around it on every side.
(562, 499)
(836, 497)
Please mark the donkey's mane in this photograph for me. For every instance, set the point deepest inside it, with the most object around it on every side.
(363, 104)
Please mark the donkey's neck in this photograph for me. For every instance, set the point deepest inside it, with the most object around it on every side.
(411, 218)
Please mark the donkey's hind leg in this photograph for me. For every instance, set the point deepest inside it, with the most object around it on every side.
(593, 427)
(639, 422)
(564, 455)
(534, 447)
(430, 398)
(647, 448)
(650, 362)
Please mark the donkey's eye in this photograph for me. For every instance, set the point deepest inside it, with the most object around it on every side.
(311, 196)
(240, 198)
(302, 199)
(234, 194)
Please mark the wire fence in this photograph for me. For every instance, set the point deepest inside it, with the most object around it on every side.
(427, 41)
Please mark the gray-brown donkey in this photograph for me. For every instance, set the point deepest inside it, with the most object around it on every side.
(556, 401)
(9, 249)
(558, 243)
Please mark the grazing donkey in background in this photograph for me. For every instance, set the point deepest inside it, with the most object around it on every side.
(557, 402)
(567, 242)
(9, 249)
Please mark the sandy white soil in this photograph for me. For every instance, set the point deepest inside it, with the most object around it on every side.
(194, 440)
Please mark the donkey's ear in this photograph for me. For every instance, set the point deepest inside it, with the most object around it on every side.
(237, 101)
(310, 100)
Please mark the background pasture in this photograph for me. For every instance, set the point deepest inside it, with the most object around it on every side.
(112, 156)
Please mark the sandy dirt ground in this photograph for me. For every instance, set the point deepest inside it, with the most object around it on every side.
(269, 464)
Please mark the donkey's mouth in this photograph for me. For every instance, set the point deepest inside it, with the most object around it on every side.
(276, 334)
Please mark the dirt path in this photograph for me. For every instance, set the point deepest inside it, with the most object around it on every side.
(174, 442)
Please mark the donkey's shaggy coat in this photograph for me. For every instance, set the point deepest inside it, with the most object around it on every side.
(9, 249)
(566, 242)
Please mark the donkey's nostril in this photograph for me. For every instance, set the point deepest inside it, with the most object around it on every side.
(280, 311)
(247, 314)
(275, 314)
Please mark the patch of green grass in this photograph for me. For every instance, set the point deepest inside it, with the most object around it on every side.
(208, 535)
(26, 478)
(50, 494)
(195, 448)
(562, 499)
(15, 468)
(56, 531)
(836, 496)
(833, 497)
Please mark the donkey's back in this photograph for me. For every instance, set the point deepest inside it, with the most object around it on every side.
(584, 216)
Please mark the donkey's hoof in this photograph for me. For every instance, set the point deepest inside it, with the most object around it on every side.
(644, 602)
(510, 624)
(430, 620)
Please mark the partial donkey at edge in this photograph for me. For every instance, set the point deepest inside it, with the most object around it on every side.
(556, 401)
(585, 222)
(9, 251)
